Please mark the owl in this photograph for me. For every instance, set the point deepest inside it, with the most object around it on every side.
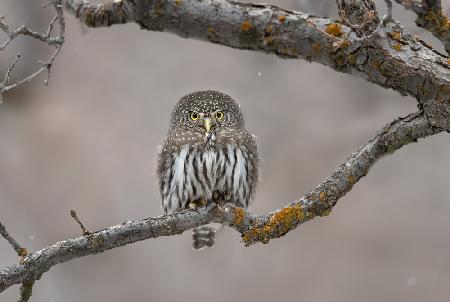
(207, 156)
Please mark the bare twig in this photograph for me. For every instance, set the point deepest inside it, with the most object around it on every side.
(56, 42)
(83, 229)
(26, 289)
(21, 252)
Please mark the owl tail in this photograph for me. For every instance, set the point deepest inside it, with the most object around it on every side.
(205, 236)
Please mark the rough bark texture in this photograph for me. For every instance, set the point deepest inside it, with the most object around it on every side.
(254, 228)
(430, 17)
(363, 17)
(392, 59)
(379, 51)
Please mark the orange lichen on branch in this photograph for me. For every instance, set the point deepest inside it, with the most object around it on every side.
(281, 222)
(351, 179)
(246, 26)
(397, 46)
(316, 47)
(437, 22)
(268, 40)
(334, 29)
(239, 214)
(23, 252)
(323, 196)
(281, 18)
(397, 36)
(178, 2)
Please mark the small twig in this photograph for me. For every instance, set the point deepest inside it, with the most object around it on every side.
(46, 37)
(22, 252)
(75, 216)
(26, 289)
(387, 18)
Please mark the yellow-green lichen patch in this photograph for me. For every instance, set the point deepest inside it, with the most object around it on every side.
(281, 222)
(315, 48)
(268, 40)
(351, 179)
(239, 214)
(246, 26)
(211, 30)
(352, 59)
(23, 252)
(438, 22)
(334, 29)
(323, 196)
(89, 18)
(396, 35)
(397, 46)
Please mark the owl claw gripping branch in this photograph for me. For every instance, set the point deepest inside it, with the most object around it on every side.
(207, 154)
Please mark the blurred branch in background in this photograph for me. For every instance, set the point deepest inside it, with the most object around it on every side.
(57, 42)
(362, 44)
(390, 57)
(430, 17)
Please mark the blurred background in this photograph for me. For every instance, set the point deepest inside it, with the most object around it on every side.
(88, 142)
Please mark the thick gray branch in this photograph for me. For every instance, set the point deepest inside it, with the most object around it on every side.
(430, 17)
(392, 58)
(253, 228)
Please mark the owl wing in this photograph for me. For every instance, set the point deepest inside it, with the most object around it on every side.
(246, 143)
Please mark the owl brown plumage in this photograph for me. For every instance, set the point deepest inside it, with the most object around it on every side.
(207, 154)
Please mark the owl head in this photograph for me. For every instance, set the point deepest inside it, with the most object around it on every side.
(206, 111)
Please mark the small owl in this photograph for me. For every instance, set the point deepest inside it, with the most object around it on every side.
(207, 156)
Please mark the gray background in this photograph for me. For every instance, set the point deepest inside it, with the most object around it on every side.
(88, 142)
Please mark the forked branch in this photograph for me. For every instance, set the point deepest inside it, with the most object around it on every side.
(253, 228)
(56, 42)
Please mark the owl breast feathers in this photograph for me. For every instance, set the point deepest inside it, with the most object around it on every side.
(207, 154)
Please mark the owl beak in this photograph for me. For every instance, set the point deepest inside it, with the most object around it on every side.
(207, 123)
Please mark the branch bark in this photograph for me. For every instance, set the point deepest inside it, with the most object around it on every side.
(253, 228)
(57, 42)
(392, 58)
(379, 51)
(430, 17)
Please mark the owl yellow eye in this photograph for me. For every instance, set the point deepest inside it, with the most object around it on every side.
(194, 116)
(219, 115)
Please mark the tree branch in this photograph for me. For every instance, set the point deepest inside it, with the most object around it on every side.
(391, 59)
(21, 252)
(430, 17)
(253, 228)
(57, 42)
(379, 51)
